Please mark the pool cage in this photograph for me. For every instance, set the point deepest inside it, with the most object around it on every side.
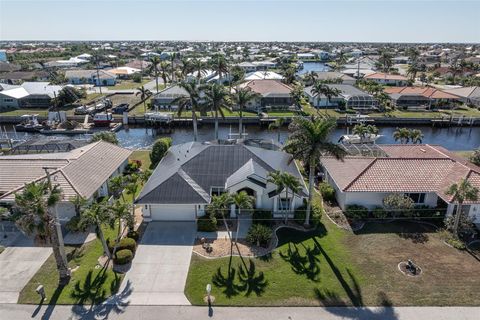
(364, 149)
(362, 102)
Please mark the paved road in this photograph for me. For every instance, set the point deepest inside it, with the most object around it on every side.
(14, 312)
(18, 264)
(159, 270)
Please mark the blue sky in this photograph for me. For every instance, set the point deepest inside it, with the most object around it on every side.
(229, 20)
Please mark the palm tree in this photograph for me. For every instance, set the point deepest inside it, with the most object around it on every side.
(412, 71)
(186, 67)
(164, 71)
(385, 61)
(116, 185)
(340, 61)
(220, 65)
(277, 125)
(320, 89)
(402, 135)
(221, 204)
(455, 68)
(310, 78)
(36, 205)
(199, 68)
(243, 202)
(297, 94)
(97, 214)
(144, 95)
(416, 136)
(308, 142)
(153, 69)
(289, 74)
(461, 192)
(364, 130)
(79, 203)
(173, 56)
(215, 95)
(291, 184)
(191, 101)
(242, 97)
(120, 212)
(132, 188)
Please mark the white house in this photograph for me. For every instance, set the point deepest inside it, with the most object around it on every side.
(422, 172)
(84, 171)
(191, 173)
(263, 75)
(100, 78)
(387, 79)
(349, 96)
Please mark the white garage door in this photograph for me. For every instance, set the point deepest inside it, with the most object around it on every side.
(173, 212)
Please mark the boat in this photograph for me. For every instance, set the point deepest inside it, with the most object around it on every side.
(357, 139)
(158, 117)
(29, 124)
(103, 119)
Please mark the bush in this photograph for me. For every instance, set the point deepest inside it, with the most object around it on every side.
(105, 136)
(327, 191)
(159, 150)
(315, 215)
(258, 234)
(74, 225)
(137, 77)
(133, 235)
(449, 238)
(123, 257)
(264, 217)
(207, 224)
(133, 166)
(125, 243)
(379, 213)
(475, 157)
(355, 211)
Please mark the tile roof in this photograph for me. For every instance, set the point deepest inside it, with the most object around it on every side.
(268, 88)
(380, 75)
(423, 91)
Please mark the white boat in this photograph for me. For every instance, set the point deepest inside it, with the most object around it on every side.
(102, 119)
(357, 139)
(29, 124)
(159, 117)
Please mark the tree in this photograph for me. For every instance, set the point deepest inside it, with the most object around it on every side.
(402, 135)
(340, 61)
(308, 142)
(243, 202)
(36, 206)
(164, 71)
(241, 98)
(289, 74)
(412, 71)
(97, 214)
(385, 61)
(120, 213)
(220, 65)
(220, 205)
(310, 78)
(293, 185)
(397, 203)
(192, 102)
(215, 95)
(79, 203)
(320, 89)
(159, 149)
(110, 137)
(297, 94)
(199, 68)
(116, 185)
(144, 95)
(153, 69)
(475, 157)
(277, 125)
(461, 192)
(416, 136)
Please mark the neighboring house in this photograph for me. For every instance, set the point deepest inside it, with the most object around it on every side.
(18, 77)
(8, 67)
(191, 173)
(100, 78)
(84, 171)
(350, 97)
(138, 64)
(249, 67)
(263, 75)
(124, 72)
(468, 95)
(387, 79)
(421, 97)
(306, 56)
(423, 172)
(333, 76)
(164, 98)
(70, 63)
(28, 95)
(272, 94)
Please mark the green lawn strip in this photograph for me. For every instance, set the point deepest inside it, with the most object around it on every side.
(88, 284)
(19, 112)
(129, 84)
(143, 156)
(306, 269)
(465, 154)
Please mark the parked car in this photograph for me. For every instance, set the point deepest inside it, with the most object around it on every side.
(121, 108)
(83, 110)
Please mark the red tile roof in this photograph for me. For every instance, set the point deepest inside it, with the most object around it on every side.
(423, 91)
(380, 75)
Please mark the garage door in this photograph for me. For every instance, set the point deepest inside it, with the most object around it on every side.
(173, 213)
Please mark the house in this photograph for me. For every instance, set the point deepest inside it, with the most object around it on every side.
(387, 79)
(191, 173)
(164, 98)
(334, 76)
(70, 63)
(101, 160)
(420, 97)
(18, 77)
(263, 75)
(468, 95)
(423, 172)
(350, 97)
(95, 77)
(124, 72)
(272, 94)
(28, 95)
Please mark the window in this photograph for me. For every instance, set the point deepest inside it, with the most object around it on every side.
(216, 191)
(7, 100)
(283, 204)
(416, 197)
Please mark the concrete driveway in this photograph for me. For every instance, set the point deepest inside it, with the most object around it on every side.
(18, 264)
(159, 270)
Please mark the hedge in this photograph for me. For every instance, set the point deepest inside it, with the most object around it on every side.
(125, 243)
(123, 256)
(356, 211)
(207, 224)
(327, 191)
(258, 234)
(264, 217)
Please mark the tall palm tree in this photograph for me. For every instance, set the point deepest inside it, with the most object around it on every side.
(297, 94)
(164, 71)
(289, 74)
(461, 192)
(120, 215)
(242, 201)
(220, 65)
(310, 78)
(402, 135)
(144, 95)
(385, 61)
(293, 185)
(185, 68)
(192, 102)
(241, 98)
(277, 125)
(97, 214)
(320, 89)
(116, 185)
(36, 204)
(308, 142)
(153, 69)
(215, 95)
(416, 136)
(277, 178)
(199, 68)
(412, 71)
(221, 205)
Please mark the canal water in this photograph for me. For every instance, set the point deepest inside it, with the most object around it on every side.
(466, 138)
(313, 66)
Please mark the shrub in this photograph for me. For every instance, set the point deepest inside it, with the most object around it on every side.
(327, 191)
(258, 234)
(133, 235)
(105, 136)
(125, 243)
(315, 214)
(379, 213)
(133, 166)
(398, 204)
(137, 77)
(123, 256)
(207, 223)
(74, 225)
(449, 238)
(355, 211)
(475, 157)
(264, 217)
(159, 150)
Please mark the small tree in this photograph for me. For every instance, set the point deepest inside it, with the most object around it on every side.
(159, 150)
(475, 157)
(79, 204)
(461, 192)
(243, 202)
(397, 203)
(105, 136)
(96, 215)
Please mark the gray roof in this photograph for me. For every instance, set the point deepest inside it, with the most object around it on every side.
(330, 75)
(88, 74)
(188, 171)
(347, 90)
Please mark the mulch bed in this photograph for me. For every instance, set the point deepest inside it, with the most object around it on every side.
(403, 268)
(222, 248)
(338, 217)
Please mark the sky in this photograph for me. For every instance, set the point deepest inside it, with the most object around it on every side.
(245, 20)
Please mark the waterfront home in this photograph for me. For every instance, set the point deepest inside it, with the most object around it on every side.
(468, 95)
(28, 95)
(263, 75)
(18, 77)
(124, 72)
(253, 66)
(164, 99)
(190, 174)
(349, 97)
(387, 79)
(100, 78)
(84, 171)
(423, 172)
(272, 94)
(413, 98)
(333, 76)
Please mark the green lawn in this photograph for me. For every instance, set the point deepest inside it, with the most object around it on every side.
(143, 156)
(281, 113)
(90, 97)
(19, 112)
(88, 284)
(306, 269)
(128, 84)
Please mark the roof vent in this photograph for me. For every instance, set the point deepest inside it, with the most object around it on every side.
(423, 150)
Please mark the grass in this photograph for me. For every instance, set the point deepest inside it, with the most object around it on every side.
(90, 97)
(143, 156)
(465, 154)
(87, 285)
(19, 112)
(2, 248)
(128, 84)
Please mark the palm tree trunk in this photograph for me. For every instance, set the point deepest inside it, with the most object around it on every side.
(238, 225)
(156, 79)
(457, 218)
(240, 124)
(226, 228)
(310, 192)
(62, 266)
(104, 242)
(216, 124)
(287, 211)
(119, 235)
(195, 129)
